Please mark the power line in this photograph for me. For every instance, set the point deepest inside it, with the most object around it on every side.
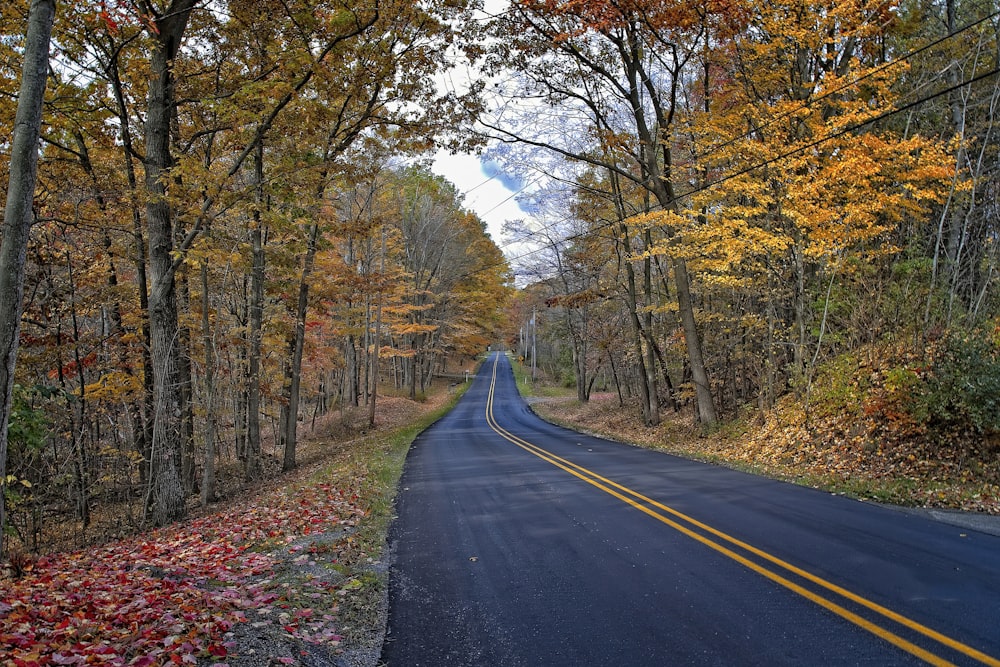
(760, 165)
(839, 133)
(877, 70)
(806, 105)
(514, 194)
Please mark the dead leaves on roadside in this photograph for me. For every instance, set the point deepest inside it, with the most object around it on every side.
(861, 453)
(175, 595)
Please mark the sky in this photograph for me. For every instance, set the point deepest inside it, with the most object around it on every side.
(488, 192)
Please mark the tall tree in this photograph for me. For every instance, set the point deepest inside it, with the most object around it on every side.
(309, 92)
(799, 178)
(19, 212)
(166, 29)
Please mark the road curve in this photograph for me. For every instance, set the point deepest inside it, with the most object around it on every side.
(521, 543)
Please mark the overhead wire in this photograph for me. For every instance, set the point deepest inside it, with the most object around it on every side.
(807, 104)
(846, 85)
(760, 165)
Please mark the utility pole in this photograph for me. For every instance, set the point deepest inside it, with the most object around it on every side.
(534, 341)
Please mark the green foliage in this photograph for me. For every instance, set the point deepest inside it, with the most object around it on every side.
(840, 387)
(27, 432)
(28, 424)
(567, 373)
(962, 388)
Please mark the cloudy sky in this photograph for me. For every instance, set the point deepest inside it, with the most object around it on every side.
(488, 192)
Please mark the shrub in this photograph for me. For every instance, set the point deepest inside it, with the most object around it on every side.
(962, 388)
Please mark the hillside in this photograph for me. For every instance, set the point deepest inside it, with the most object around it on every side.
(287, 573)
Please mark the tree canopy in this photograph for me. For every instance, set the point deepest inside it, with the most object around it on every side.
(234, 224)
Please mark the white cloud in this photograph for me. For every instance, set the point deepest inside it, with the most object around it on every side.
(491, 196)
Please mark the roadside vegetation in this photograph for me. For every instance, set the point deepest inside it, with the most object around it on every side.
(762, 234)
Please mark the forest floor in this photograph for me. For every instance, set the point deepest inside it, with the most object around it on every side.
(289, 572)
(861, 457)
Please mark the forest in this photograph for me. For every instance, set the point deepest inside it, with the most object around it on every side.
(778, 215)
(768, 225)
(233, 232)
(731, 208)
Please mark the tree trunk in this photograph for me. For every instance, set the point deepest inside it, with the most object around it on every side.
(18, 212)
(166, 493)
(373, 394)
(707, 414)
(957, 106)
(614, 376)
(351, 389)
(647, 323)
(143, 436)
(251, 466)
(242, 393)
(293, 377)
(650, 408)
(80, 459)
(208, 340)
(184, 378)
(378, 336)
(799, 348)
(583, 384)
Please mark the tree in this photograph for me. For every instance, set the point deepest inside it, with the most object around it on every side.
(19, 212)
(166, 29)
(800, 181)
(618, 69)
(257, 122)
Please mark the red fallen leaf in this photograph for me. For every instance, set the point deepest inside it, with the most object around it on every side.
(160, 598)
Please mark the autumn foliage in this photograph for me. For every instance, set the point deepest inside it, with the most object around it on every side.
(231, 242)
(753, 195)
(175, 595)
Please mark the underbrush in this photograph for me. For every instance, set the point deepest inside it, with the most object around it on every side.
(290, 573)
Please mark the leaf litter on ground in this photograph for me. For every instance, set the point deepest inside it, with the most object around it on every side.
(173, 596)
(266, 574)
(845, 453)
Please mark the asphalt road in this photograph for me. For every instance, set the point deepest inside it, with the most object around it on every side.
(521, 543)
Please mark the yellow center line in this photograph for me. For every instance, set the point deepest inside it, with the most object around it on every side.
(644, 504)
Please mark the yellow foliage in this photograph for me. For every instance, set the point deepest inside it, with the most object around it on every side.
(113, 386)
(797, 171)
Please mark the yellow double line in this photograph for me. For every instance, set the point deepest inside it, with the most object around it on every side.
(774, 568)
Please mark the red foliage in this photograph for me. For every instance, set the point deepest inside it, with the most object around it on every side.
(71, 368)
(169, 597)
